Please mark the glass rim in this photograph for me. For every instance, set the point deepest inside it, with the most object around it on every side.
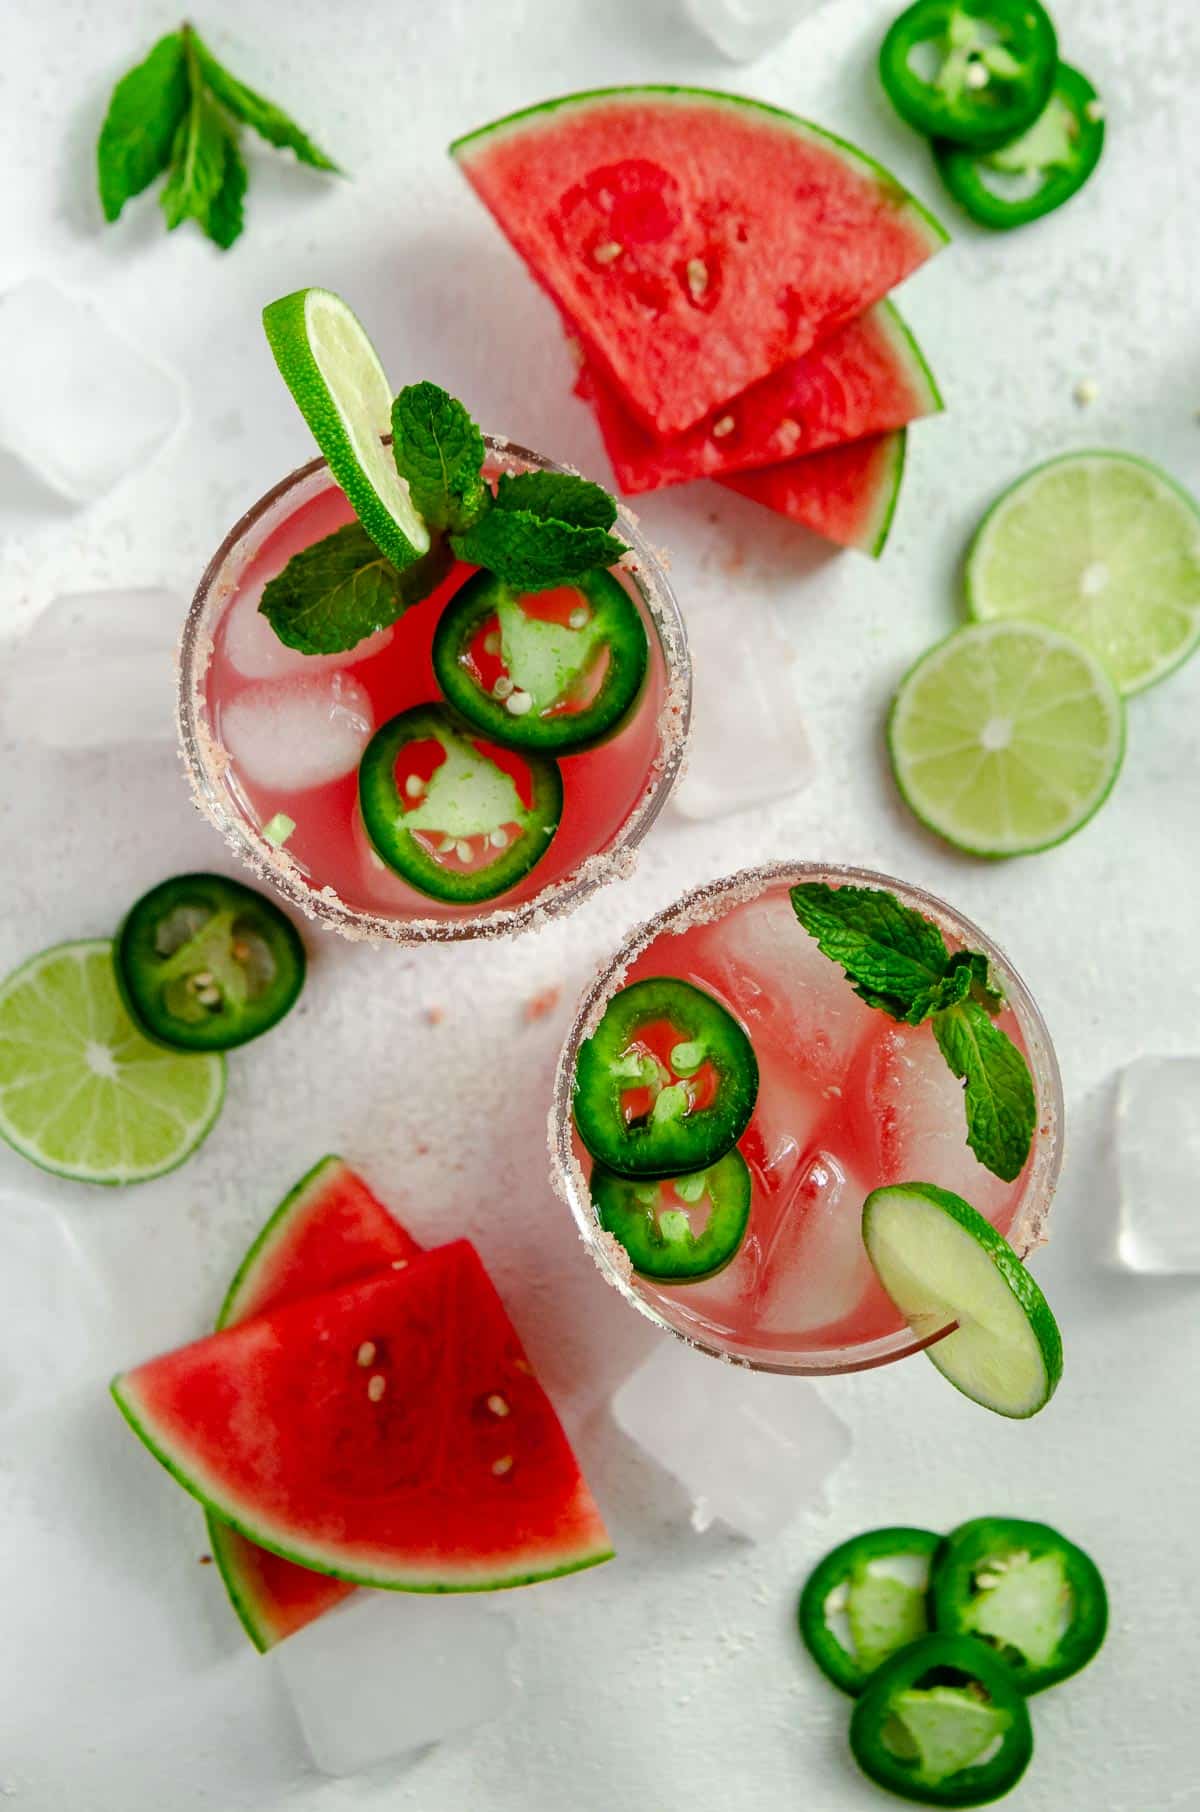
(205, 761)
(703, 904)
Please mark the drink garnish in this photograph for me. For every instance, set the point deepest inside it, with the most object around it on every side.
(179, 111)
(426, 501)
(897, 961)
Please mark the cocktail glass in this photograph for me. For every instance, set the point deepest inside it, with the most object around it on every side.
(326, 867)
(848, 1100)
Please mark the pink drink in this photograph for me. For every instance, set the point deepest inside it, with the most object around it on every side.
(277, 732)
(848, 1100)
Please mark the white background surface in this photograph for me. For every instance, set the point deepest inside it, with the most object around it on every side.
(669, 1680)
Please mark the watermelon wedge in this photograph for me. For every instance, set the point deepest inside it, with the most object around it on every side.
(697, 240)
(866, 378)
(391, 1433)
(330, 1230)
(848, 494)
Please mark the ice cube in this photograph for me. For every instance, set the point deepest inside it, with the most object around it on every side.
(797, 1005)
(54, 1312)
(389, 1672)
(80, 405)
(1158, 1164)
(750, 1448)
(748, 742)
(93, 670)
(744, 29)
(814, 1270)
(253, 648)
(296, 734)
(915, 1104)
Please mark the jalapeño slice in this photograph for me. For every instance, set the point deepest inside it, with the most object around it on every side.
(204, 963)
(866, 1601)
(976, 72)
(943, 1722)
(457, 818)
(666, 1083)
(677, 1229)
(1039, 171)
(1035, 1598)
(556, 670)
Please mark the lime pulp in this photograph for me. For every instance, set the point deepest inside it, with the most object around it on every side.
(82, 1093)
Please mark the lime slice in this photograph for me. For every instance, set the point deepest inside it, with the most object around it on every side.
(82, 1093)
(941, 1262)
(1103, 546)
(1006, 737)
(333, 372)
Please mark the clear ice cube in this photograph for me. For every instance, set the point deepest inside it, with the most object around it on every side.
(1158, 1164)
(389, 1672)
(915, 1102)
(256, 652)
(54, 1312)
(95, 669)
(748, 742)
(744, 29)
(750, 1448)
(80, 406)
(296, 734)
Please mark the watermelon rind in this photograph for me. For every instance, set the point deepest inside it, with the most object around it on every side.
(508, 122)
(905, 341)
(871, 534)
(432, 1579)
(877, 541)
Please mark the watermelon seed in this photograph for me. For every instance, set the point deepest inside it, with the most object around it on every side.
(501, 1466)
(376, 1387)
(723, 427)
(497, 1405)
(523, 1365)
(697, 277)
(399, 1264)
(366, 1352)
(607, 253)
(788, 432)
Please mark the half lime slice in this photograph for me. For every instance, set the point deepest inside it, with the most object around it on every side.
(942, 1263)
(1103, 546)
(82, 1093)
(334, 374)
(1006, 737)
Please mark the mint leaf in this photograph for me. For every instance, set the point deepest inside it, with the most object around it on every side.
(144, 114)
(198, 157)
(892, 956)
(531, 553)
(1000, 1100)
(439, 451)
(982, 987)
(557, 496)
(341, 590)
(269, 121)
(225, 217)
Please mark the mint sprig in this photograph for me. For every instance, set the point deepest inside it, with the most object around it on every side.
(531, 552)
(440, 452)
(179, 111)
(897, 961)
(340, 590)
(557, 497)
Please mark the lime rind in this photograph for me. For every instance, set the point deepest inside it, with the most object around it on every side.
(342, 391)
(941, 1262)
(82, 1093)
(1005, 738)
(1103, 546)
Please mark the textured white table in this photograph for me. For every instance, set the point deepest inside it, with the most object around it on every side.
(671, 1679)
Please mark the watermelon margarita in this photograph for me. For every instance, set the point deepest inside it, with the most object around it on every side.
(847, 1100)
(273, 738)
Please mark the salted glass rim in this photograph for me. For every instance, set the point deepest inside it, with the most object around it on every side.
(206, 762)
(710, 901)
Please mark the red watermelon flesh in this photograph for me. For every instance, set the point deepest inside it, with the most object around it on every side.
(699, 240)
(392, 1433)
(330, 1230)
(848, 494)
(866, 378)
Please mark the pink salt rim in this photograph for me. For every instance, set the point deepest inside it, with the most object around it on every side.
(206, 761)
(701, 906)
